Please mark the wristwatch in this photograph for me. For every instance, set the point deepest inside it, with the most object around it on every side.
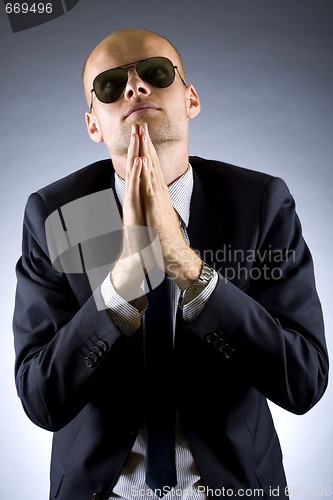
(195, 288)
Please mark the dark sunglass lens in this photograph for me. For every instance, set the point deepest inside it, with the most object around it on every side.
(157, 71)
(109, 85)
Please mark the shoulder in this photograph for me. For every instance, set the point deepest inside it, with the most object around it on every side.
(218, 170)
(45, 202)
(229, 180)
(90, 179)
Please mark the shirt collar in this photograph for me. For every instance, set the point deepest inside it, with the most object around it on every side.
(180, 192)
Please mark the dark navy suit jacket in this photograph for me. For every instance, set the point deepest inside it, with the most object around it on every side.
(259, 337)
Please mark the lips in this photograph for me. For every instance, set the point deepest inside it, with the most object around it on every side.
(140, 107)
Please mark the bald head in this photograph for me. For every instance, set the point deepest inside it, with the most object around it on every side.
(125, 46)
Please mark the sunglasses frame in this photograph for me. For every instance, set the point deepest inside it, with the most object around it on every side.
(128, 66)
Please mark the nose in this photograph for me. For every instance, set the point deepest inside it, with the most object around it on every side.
(135, 86)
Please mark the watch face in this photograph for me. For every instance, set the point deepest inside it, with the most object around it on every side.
(192, 292)
(196, 288)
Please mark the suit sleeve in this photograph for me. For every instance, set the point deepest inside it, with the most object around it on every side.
(59, 343)
(272, 330)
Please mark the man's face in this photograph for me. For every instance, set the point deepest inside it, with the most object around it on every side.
(164, 109)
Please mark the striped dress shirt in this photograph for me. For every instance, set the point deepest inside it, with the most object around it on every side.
(131, 483)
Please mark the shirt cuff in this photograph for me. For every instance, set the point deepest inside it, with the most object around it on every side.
(195, 306)
(124, 314)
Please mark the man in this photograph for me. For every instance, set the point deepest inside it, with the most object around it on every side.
(247, 319)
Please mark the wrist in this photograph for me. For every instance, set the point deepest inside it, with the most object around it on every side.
(184, 268)
(196, 287)
(127, 276)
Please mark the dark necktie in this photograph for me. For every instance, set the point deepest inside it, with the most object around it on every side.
(161, 473)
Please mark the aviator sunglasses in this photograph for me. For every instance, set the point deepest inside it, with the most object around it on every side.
(156, 71)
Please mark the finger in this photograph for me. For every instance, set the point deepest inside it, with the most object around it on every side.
(133, 150)
(134, 178)
(142, 131)
(146, 184)
(150, 145)
(132, 201)
(132, 209)
(148, 150)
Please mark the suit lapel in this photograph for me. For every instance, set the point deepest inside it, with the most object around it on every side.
(208, 227)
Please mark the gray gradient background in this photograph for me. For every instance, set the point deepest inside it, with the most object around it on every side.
(264, 71)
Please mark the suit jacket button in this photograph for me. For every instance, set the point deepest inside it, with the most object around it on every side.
(228, 351)
(93, 357)
(88, 362)
(102, 345)
(97, 351)
(98, 496)
(218, 343)
(211, 337)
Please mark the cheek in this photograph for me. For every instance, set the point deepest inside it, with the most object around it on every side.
(107, 124)
(179, 102)
(179, 112)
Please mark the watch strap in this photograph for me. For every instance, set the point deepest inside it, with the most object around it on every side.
(195, 288)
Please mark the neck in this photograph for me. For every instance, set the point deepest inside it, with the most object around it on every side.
(173, 158)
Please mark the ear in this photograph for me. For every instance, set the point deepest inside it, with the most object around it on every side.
(192, 102)
(94, 130)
